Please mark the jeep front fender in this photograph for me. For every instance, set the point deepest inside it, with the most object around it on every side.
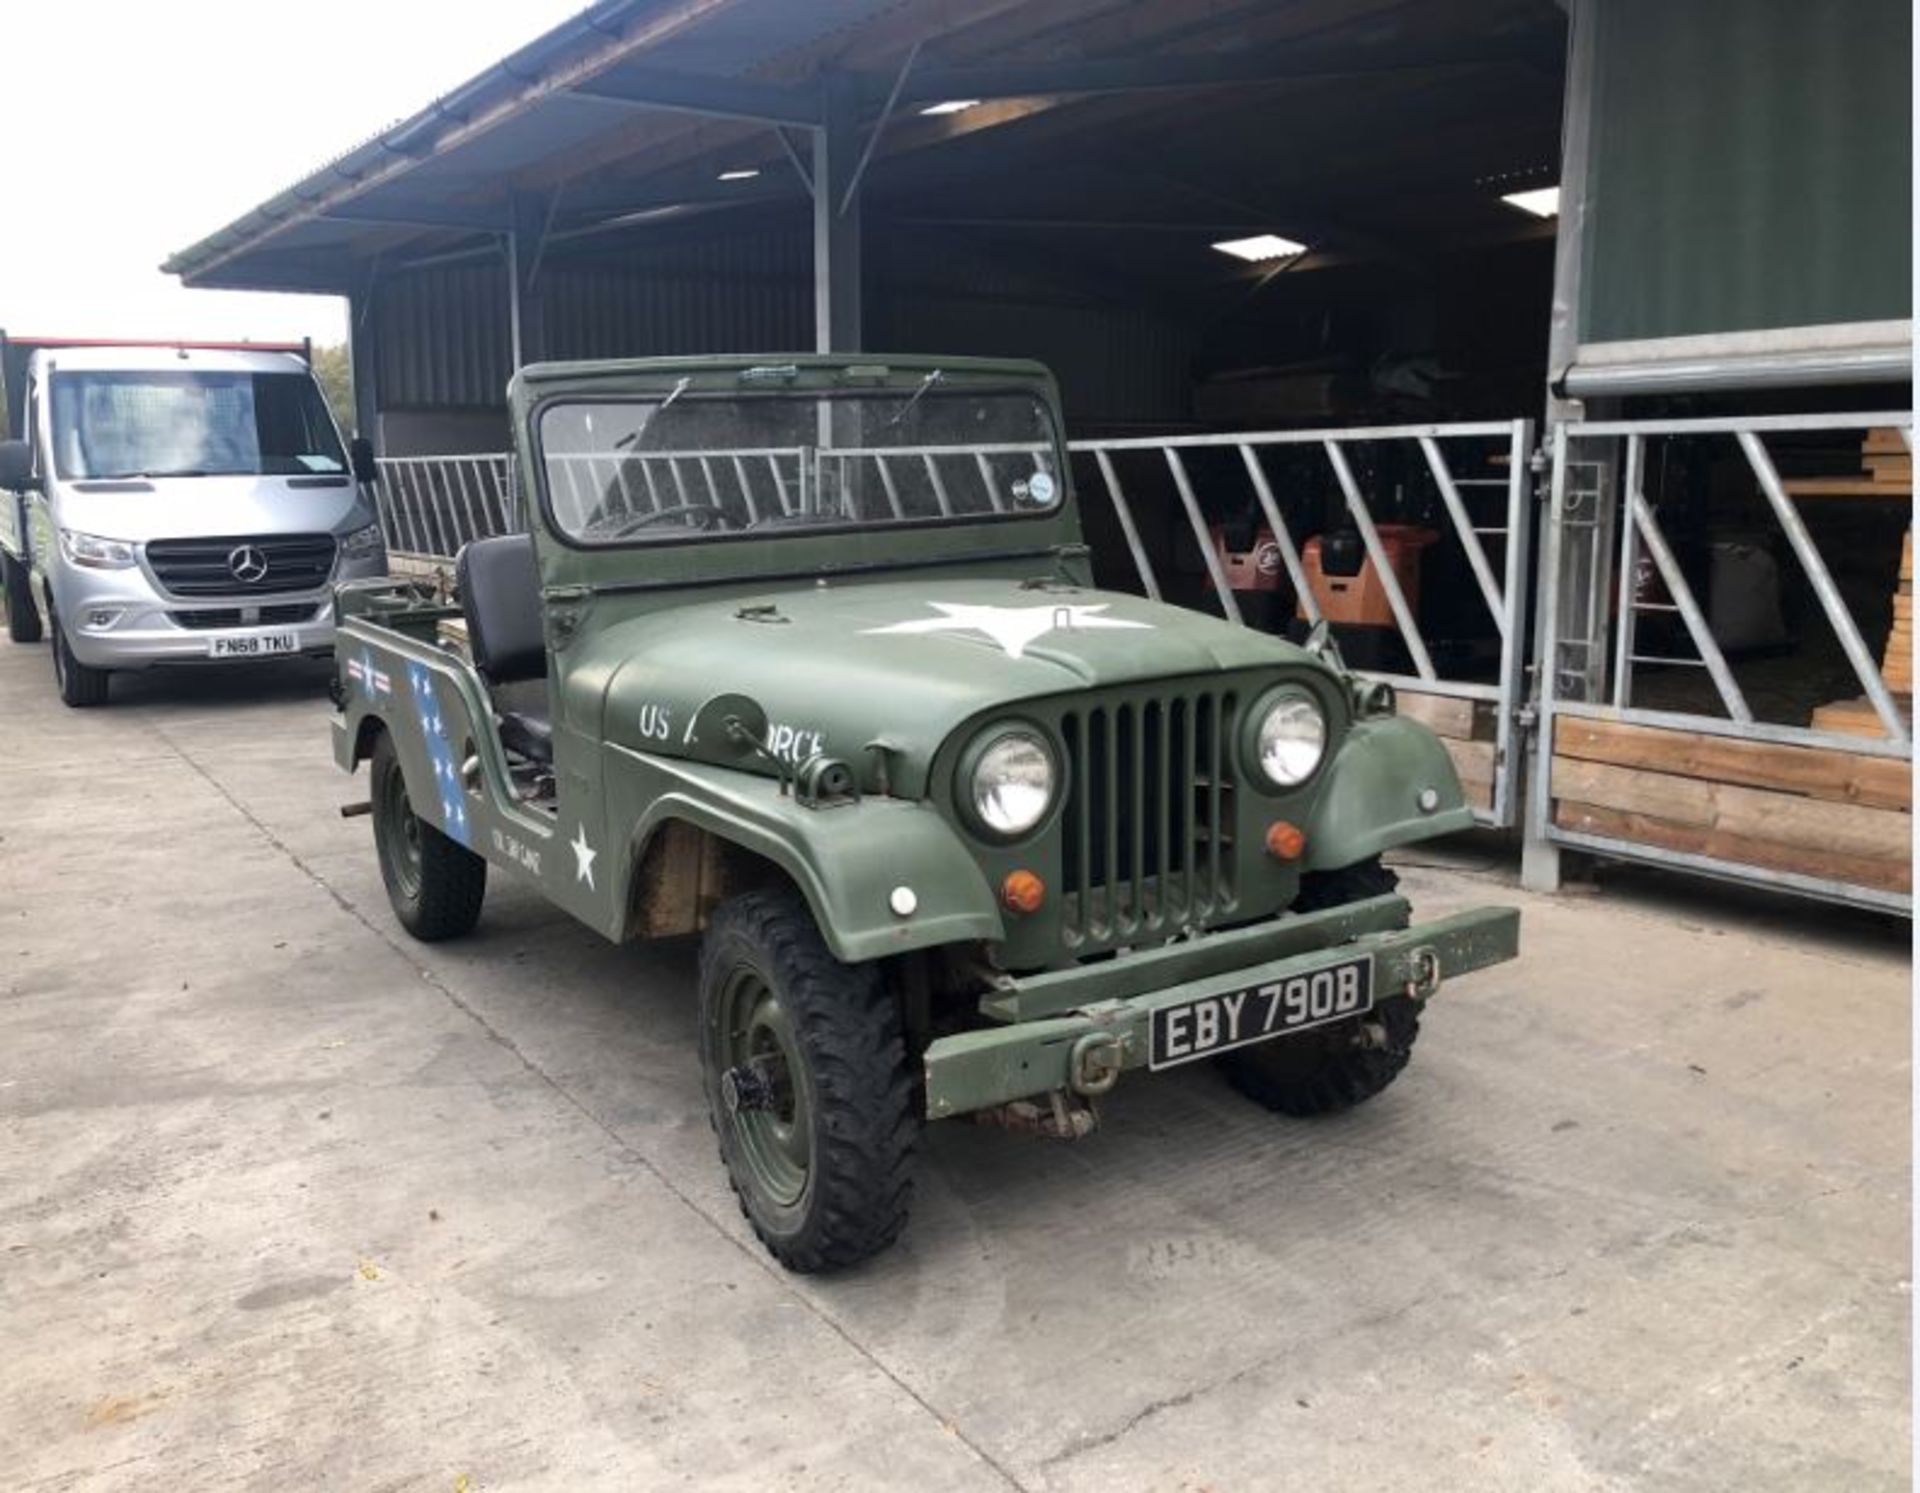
(846, 860)
(1371, 799)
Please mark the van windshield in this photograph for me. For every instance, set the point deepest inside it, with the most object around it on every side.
(191, 424)
(633, 471)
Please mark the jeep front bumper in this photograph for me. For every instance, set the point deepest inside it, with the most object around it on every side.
(1078, 1029)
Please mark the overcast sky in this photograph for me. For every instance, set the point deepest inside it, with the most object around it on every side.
(135, 129)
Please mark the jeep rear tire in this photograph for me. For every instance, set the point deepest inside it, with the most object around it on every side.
(16, 592)
(80, 685)
(436, 885)
(807, 1085)
(1331, 1068)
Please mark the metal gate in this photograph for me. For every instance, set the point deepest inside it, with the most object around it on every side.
(1165, 496)
(1480, 479)
(1650, 745)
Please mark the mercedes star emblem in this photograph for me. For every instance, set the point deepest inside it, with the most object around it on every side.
(248, 565)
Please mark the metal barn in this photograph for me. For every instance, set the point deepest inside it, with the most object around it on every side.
(1617, 495)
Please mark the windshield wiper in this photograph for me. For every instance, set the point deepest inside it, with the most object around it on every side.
(918, 394)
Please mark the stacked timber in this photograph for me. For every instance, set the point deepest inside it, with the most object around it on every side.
(1886, 471)
(1897, 662)
(1466, 730)
(1858, 717)
(1813, 811)
(1886, 459)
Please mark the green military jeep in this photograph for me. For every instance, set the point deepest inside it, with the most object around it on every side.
(803, 656)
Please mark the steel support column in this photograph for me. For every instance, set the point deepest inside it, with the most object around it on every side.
(836, 219)
(363, 350)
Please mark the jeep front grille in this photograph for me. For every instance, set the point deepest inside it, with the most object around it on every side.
(1148, 822)
(205, 567)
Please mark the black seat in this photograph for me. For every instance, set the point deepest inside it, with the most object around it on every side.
(499, 581)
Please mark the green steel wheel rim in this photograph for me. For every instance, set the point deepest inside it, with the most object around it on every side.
(401, 843)
(775, 1143)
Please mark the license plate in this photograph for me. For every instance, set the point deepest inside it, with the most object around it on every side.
(1238, 1018)
(258, 645)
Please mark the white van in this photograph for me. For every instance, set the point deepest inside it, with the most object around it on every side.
(176, 505)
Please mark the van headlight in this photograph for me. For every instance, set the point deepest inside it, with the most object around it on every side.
(1291, 739)
(95, 553)
(361, 544)
(1008, 781)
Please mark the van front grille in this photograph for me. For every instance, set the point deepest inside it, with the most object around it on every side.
(232, 566)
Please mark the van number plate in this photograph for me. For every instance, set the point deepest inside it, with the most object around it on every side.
(258, 645)
(1217, 1023)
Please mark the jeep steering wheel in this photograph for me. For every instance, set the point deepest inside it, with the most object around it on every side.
(713, 512)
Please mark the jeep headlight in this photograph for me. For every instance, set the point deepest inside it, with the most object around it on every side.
(1009, 786)
(95, 553)
(1291, 740)
(362, 544)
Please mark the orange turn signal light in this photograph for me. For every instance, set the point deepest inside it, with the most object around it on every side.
(1022, 891)
(1285, 842)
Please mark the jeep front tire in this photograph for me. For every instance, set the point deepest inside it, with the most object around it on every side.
(436, 885)
(1331, 1068)
(807, 1084)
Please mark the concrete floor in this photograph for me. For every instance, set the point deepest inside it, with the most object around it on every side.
(288, 1201)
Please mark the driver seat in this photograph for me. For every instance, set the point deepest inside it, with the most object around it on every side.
(499, 584)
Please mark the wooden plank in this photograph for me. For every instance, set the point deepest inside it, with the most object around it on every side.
(1473, 760)
(1444, 715)
(1641, 829)
(1753, 813)
(1903, 608)
(1906, 557)
(1447, 715)
(1890, 468)
(1856, 717)
(1845, 487)
(1816, 772)
(1883, 438)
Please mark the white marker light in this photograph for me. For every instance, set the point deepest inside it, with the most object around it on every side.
(1262, 246)
(1429, 800)
(951, 106)
(743, 173)
(903, 901)
(1542, 202)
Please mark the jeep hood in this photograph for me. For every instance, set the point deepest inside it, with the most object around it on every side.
(907, 662)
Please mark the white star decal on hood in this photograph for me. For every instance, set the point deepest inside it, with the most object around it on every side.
(1013, 628)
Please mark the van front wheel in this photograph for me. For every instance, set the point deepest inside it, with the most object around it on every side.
(16, 589)
(80, 685)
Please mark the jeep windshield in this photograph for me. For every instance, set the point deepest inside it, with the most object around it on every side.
(633, 471)
(191, 424)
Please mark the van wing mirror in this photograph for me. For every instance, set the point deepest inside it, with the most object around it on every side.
(16, 467)
(360, 455)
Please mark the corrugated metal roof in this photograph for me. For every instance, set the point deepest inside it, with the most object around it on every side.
(517, 111)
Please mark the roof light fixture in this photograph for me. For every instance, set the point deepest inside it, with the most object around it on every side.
(740, 173)
(1542, 202)
(1262, 246)
(951, 106)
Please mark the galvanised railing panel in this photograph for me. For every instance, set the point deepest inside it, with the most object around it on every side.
(1606, 540)
(1476, 478)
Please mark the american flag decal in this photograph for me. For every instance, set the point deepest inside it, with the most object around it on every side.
(372, 680)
